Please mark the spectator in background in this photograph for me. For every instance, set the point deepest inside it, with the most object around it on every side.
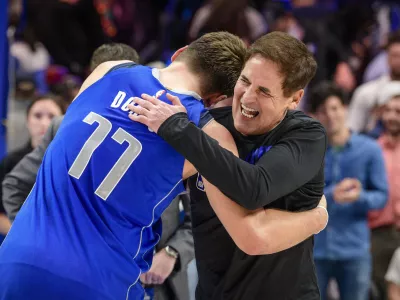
(236, 17)
(365, 97)
(315, 26)
(70, 30)
(40, 112)
(385, 224)
(168, 274)
(32, 59)
(393, 277)
(355, 184)
(376, 127)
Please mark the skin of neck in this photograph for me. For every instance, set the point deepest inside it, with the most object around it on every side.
(35, 142)
(177, 76)
(340, 138)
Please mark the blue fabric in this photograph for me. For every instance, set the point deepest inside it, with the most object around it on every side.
(93, 215)
(21, 282)
(395, 17)
(377, 131)
(3, 74)
(352, 276)
(347, 235)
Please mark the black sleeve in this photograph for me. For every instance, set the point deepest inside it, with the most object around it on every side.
(293, 161)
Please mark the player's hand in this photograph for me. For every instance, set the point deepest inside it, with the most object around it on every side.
(153, 112)
(347, 191)
(162, 267)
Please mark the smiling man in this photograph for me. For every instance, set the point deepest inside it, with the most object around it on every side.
(281, 167)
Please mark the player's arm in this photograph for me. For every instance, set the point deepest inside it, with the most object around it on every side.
(262, 231)
(292, 162)
(98, 73)
(288, 165)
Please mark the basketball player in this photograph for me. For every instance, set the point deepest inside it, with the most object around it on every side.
(282, 153)
(89, 226)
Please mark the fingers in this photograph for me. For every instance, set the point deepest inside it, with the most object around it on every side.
(139, 118)
(151, 99)
(174, 99)
(147, 104)
(151, 278)
(346, 184)
(137, 109)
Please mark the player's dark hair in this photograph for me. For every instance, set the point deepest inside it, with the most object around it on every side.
(321, 92)
(113, 51)
(296, 63)
(218, 58)
(54, 98)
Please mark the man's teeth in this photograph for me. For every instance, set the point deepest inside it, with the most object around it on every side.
(248, 112)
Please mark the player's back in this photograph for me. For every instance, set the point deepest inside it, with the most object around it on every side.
(103, 184)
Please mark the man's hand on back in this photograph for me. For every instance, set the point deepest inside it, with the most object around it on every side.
(153, 112)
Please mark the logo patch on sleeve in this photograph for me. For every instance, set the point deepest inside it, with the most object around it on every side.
(199, 183)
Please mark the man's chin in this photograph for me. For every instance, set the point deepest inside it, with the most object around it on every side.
(242, 128)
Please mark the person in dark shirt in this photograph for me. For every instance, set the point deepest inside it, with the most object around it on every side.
(281, 167)
(39, 114)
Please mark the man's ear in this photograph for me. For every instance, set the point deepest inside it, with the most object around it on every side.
(296, 98)
(177, 52)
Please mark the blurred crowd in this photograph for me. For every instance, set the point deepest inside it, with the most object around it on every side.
(355, 94)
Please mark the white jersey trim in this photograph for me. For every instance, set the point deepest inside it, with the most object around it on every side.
(141, 233)
(156, 74)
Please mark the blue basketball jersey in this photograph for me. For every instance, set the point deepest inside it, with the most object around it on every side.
(93, 215)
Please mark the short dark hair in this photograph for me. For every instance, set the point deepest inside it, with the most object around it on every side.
(295, 61)
(218, 58)
(113, 51)
(321, 92)
(394, 38)
(54, 98)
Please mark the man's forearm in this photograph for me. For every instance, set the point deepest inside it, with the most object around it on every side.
(285, 229)
(283, 169)
(370, 200)
(263, 231)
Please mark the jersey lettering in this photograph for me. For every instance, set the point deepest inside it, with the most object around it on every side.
(121, 166)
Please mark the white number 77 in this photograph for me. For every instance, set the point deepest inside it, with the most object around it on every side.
(121, 166)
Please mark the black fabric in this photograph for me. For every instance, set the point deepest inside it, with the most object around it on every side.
(225, 272)
(296, 159)
(121, 66)
(8, 163)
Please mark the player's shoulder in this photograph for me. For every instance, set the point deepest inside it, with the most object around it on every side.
(221, 134)
(99, 73)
